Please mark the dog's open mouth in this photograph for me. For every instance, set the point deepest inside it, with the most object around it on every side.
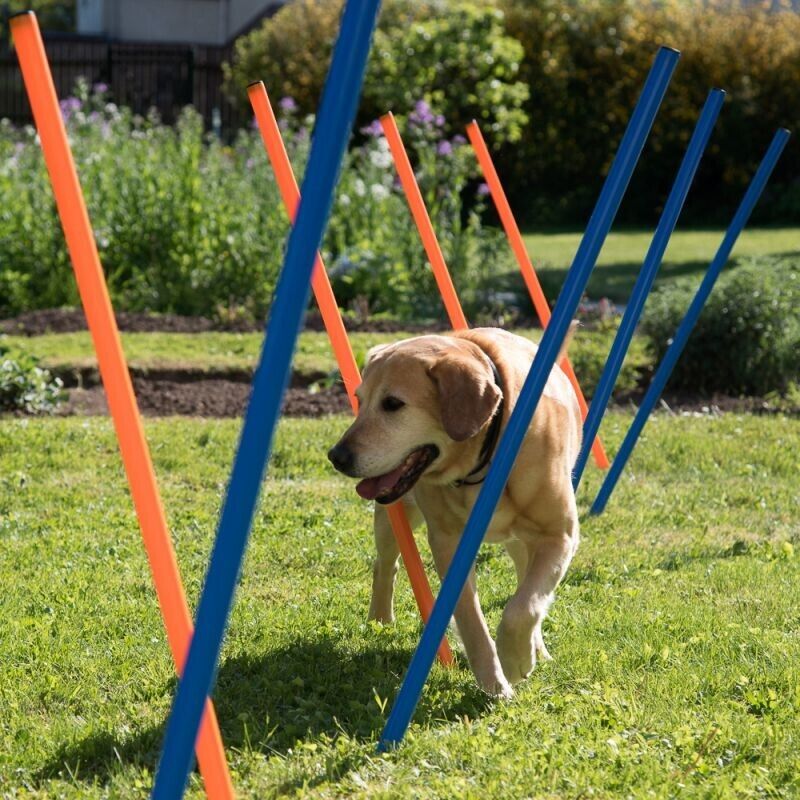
(393, 485)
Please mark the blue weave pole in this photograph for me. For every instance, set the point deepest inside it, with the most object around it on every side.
(599, 224)
(687, 324)
(644, 281)
(334, 124)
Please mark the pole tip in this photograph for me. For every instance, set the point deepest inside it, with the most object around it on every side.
(254, 83)
(16, 14)
(665, 48)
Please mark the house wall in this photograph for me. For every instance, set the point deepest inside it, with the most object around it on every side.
(211, 22)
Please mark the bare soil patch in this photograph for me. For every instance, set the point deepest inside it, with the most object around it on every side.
(66, 320)
(203, 398)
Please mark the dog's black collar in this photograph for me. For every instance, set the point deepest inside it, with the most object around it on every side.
(492, 435)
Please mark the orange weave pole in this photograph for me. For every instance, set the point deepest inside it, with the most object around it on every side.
(116, 380)
(526, 267)
(329, 309)
(423, 223)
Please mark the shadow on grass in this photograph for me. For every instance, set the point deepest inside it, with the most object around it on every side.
(270, 702)
(616, 281)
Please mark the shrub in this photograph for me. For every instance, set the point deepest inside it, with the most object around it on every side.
(747, 340)
(187, 225)
(182, 223)
(25, 386)
(453, 54)
(375, 251)
(584, 64)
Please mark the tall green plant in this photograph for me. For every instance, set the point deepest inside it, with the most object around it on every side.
(188, 225)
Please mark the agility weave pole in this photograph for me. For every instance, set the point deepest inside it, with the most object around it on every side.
(332, 318)
(423, 222)
(116, 379)
(647, 274)
(526, 267)
(335, 121)
(675, 349)
(599, 224)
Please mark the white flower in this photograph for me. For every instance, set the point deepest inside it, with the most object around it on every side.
(381, 157)
(360, 187)
(344, 200)
(379, 192)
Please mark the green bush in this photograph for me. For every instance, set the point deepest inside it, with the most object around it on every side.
(585, 61)
(376, 257)
(452, 54)
(182, 223)
(187, 225)
(25, 386)
(747, 340)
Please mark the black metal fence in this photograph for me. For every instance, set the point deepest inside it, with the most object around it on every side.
(142, 76)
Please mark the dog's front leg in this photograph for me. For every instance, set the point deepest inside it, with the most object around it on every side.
(384, 568)
(519, 636)
(472, 626)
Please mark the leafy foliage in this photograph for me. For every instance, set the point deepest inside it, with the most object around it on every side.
(185, 224)
(53, 15)
(452, 54)
(25, 386)
(747, 340)
(584, 63)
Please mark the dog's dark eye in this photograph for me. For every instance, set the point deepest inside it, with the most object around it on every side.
(391, 403)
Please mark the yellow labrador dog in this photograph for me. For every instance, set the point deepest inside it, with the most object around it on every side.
(431, 412)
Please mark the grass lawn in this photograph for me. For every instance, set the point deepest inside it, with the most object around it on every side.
(314, 357)
(676, 635)
(688, 255)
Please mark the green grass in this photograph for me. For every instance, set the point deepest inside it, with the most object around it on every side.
(314, 357)
(675, 635)
(688, 255)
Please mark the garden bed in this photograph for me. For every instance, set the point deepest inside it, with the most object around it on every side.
(206, 397)
(72, 320)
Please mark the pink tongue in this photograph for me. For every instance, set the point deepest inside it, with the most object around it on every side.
(370, 488)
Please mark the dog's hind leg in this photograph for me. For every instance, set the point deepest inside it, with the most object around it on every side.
(384, 568)
(519, 555)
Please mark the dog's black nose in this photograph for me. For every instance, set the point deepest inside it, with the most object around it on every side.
(341, 456)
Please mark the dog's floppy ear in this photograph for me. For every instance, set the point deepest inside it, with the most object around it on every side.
(468, 394)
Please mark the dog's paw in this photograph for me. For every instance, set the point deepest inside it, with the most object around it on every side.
(499, 688)
(382, 615)
(517, 655)
(541, 650)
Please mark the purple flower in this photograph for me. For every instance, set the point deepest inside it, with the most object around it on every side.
(421, 115)
(444, 148)
(100, 88)
(439, 120)
(483, 189)
(254, 124)
(287, 105)
(69, 106)
(374, 129)
(459, 139)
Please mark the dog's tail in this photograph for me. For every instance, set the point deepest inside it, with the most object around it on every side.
(573, 326)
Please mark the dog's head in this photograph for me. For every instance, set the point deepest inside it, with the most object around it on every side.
(418, 400)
